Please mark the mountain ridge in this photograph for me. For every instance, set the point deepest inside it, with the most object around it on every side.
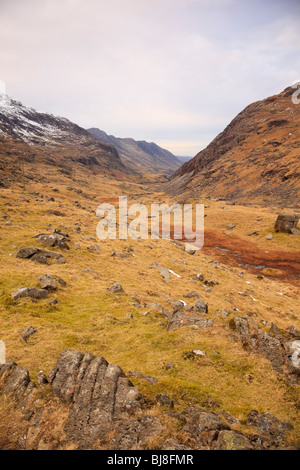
(140, 153)
(259, 146)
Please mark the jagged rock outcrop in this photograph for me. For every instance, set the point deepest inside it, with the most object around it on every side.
(102, 407)
(100, 394)
(283, 352)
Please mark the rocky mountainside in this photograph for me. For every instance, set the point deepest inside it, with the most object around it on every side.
(142, 155)
(256, 156)
(26, 134)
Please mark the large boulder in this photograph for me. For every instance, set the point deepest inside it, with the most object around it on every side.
(287, 223)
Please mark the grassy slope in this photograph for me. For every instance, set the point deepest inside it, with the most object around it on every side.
(89, 318)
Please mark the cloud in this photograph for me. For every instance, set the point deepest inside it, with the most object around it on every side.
(174, 71)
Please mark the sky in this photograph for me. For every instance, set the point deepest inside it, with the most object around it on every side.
(174, 72)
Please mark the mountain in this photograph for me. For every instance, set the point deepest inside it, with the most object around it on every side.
(256, 157)
(140, 154)
(184, 159)
(26, 134)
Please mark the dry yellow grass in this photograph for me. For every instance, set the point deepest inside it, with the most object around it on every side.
(89, 318)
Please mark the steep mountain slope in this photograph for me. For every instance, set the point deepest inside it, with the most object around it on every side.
(256, 157)
(142, 155)
(26, 134)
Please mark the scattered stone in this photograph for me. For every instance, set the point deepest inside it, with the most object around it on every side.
(27, 332)
(231, 226)
(269, 236)
(53, 302)
(200, 277)
(163, 271)
(200, 307)
(41, 256)
(116, 288)
(164, 400)
(57, 239)
(198, 353)
(32, 292)
(180, 319)
(48, 282)
(94, 248)
(42, 379)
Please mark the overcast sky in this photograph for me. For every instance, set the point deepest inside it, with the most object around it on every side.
(170, 71)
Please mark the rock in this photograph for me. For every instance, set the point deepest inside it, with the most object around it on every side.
(56, 239)
(27, 332)
(180, 319)
(53, 302)
(41, 256)
(47, 282)
(164, 400)
(228, 417)
(211, 283)
(204, 426)
(231, 226)
(200, 277)
(200, 307)
(134, 434)
(269, 236)
(170, 444)
(116, 288)
(100, 395)
(178, 306)
(95, 248)
(16, 381)
(294, 349)
(163, 271)
(286, 223)
(269, 426)
(189, 250)
(42, 379)
(198, 353)
(32, 292)
(232, 440)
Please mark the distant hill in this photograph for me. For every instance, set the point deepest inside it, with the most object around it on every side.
(255, 158)
(140, 155)
(184, 159)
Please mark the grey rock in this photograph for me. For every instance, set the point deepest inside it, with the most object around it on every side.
(48, 282)
(286, 222)
(32, 292)
(27, 332)
(164, 400)
(232, 440)
(116, 288)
